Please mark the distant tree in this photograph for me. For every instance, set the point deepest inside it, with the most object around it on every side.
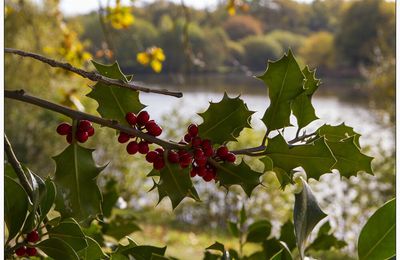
(259, 49)
(318, 50)
(366, 25)
(241, 26)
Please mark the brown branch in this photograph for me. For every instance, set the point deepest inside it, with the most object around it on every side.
(250, 151)
(300, 138)
(21, 96)
(93, 76)
(13, 160)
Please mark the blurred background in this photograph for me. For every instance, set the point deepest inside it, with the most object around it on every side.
(204, 48)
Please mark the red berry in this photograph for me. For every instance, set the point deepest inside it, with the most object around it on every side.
(222, 152)
(151, 156)
(82, 136)
(208, 177)
(84, 125)
(33, 236)
(143, 117)
(185, 158)
(201, 171)
(206, 144)
(193, 172)
(90, 131)
(160, 151)
(198, 153)
(123, 137)
(152, 128)
(173, 157)
(201, 161)
(31, 251)
(132, 147)
(187, 138)
(143, 147)
(193, 130)
(131, 118)
(230, 157)
(159, 163)
(64, 129)
(208, 152)
(20, 251)
(69, 138)
(196, 141)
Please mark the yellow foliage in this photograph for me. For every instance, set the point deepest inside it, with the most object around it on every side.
(120, 16)
(153, 56)
(236, 4)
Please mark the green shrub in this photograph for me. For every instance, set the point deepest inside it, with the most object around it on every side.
(287, 39)
(318, 50)
(241, 26)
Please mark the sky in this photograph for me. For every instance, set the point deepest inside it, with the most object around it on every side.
(72, 7)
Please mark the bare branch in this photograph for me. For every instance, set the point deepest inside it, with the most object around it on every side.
(93, 76)
(21, 96)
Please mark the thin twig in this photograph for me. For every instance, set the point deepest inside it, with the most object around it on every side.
(12, 159)
(300, 138)
(93, 76)
(21, 96)
(250, 151)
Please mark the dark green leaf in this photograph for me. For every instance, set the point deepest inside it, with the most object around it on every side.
(93, 251)
(268, 163)
(9, 171)
(233, 254)
(256, 256)
(285, 82)
(349, 158)
(302, 107)
(94, 231)
(283, 254)
(233, 228)
(210, 256)
(316, 158)
(224, 121)
(230, 174)
(70, 232)
(217, 246)
(338, 133)
(258, 231)
(57, 249)
(110, 197)
(15, 206)
(283, 177)
(114, 101)
(306, 215)
(78, 195)
(243, 215)
(120, 226)
(271, 247)
(325, 241)
(175, 183)
(48, 200)
(144, 252)
(287, 235)
(378, 237)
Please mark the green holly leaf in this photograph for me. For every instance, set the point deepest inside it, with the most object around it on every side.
(110, 197)
(338, 133)
(143, 252)
(93, 251)
(233, 228)
(268, 163)
(16, 204)
(243, 215)
(217, 246)
(120, 226)
(349, 158)
(176, 184)
(306, 215)
(325, 241)
(302, 107)
(78, 195)
(378, 237)
(287, 235)
(315, 158)
(283, 177)
(57, 249)
(71, 233)
(285, 82)
(48, 200)
(231, 174)
(114, 101)
(270, 247)
(283, 254)
(223, 121)
(258, 231)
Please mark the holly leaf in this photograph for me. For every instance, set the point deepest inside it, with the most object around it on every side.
(78, 195)
(217, 246)
(338, 133)
(230, 174)
(233, 228)
(268, 163)
(71, 233)
(48, 200)
(223, 121)
(120, 226)
(283, 254)
(15, 206)
(302, 107)
(285, 82)
(143, 252)
(57, 249)
(378, 236)
(349, 158)
(287, 235)
(283, 177)
(325, 241)
(306, 215)
(258, 231)
(315, 158)
(175, 183)
(93, 251)
(110, 197)
(114, 101)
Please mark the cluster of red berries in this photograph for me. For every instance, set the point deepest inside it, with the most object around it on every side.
(31, 237)
(140, 122)
(82, 134)
(197, 156)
